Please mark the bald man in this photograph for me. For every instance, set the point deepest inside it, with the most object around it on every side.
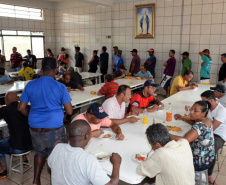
(71, 165)
(19, 140)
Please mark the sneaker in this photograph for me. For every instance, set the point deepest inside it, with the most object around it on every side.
(3, 174)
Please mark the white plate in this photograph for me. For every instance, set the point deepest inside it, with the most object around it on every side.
(105, 133)
(101, 156)
(143, 154)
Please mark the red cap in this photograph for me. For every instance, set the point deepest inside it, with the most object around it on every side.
(151, 50)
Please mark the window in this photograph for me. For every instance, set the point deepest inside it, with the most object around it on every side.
(20, 12)
(23, 40)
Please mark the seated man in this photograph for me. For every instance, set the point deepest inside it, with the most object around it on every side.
(115, 106)
(27, 72)
(19, 140)
(75, 76)
(66, 80)
(219, 92)
(119, 73)
(143, 99)
(110, 87)
(144, 74)
(171, 163)
(180, 83)
(4, 79)
(82, 167)
(97, 118)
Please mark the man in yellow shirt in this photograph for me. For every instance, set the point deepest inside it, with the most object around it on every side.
(26, 71)
(180, 83)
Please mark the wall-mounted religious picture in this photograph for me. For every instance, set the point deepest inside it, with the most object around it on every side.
(145, 21)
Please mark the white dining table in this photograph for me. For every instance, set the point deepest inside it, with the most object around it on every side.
(135, 138)
(16, 87)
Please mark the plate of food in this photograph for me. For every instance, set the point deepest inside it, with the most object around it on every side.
(102, 156)
(138, 78)
(140, 157)
(106, 135)
(173, 128)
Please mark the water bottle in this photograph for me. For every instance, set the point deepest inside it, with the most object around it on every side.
(169, 112)
(145, 117)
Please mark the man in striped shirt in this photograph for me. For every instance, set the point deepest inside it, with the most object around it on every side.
(110, 87)
(16, 60)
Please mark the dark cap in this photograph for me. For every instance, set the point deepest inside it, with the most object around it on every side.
(224, 54)
(150, 83)
(134, 50)
(115, 47)
(220, 88)
(97, 110)
(122, 67)
(2, 71)
(48, 63)
(120, 51)
(185, 53)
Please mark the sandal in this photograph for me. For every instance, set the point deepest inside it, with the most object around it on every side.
(212, 183)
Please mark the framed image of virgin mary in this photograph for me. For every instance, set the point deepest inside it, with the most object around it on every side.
(145, 21)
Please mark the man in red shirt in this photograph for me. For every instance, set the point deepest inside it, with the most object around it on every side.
(16, 60)
(143, 99)
(110, 87)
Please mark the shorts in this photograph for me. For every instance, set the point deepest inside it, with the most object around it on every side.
(44, 142)
(165, 82)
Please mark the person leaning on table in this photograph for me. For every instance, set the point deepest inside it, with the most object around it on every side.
(143, 99)
(81, 167)
(119, 73)
(172, 161)
(115, 106)
(97, 118)
(180, 83)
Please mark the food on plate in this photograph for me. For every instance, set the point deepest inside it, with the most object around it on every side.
(138, 78)
(140, 158)
(107, 136)
(173, 128)
(128, 77)
(93, 92)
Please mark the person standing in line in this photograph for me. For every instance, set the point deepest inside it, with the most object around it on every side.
(104, 57)
(120, 60)
(205, 65)
(168, 72)
(115, 57)
(79, 59)
(31, 59)
(49, 53)
(186, 63)
(135, 63)
(47, 98)
(16, 60)
(2, 60)
(222, 72)
(151, 62)
(93, 64)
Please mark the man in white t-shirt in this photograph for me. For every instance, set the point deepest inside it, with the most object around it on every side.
(71, 165)
(219, 91)
(115, 106)
(217, 115)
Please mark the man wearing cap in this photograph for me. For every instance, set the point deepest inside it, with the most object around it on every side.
(119, 73)
(115, 106)
(115, 57)
(97, 118)
(151, 62)
(120, 60)
(186, 62)
(47, 98)
(219, 92)
(222, 72)
(135, 63)
(143, 99)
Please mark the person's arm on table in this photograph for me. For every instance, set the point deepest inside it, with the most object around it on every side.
(117, 130)
(125, 120)
(180, 88)
(157, 102)
(119, 77)
(8, 83)
(96, 133)
(184, 118)
(80, 88)
(190, 136)
(141, 110)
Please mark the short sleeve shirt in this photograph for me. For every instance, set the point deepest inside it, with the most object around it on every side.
(106, 122)
(222, 72)
(140, 101)
(104, 57)
(187, 63)
(205, 69)
(222, 100)
(136, 61)
(109, 89)
(178, 81)
(151, 67)
(170, 68)
(4, 79)
(31, 60)
(119, 62)
(78, 59)
(47, 96)
(62, 58)
(27, 73)
(203, 147)
(146, 75)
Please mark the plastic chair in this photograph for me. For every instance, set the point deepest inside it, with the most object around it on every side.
(201, 177)
(21, 164)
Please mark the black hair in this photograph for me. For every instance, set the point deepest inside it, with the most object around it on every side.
(205, 106)
(108, 77)
(209, 95)
(188, 72)
(158, 133)
(95, 51)
(77, 48)
(122, 89)
(71, 69)
(62, 63)
(173, 51)
(25, 64)
(49, 50)
(66, 74)
(35, 76)
(29, 50)
(206, 50)
(145, 67)
(62, 49)
(104, 48)
(2, 71)
(48, 64)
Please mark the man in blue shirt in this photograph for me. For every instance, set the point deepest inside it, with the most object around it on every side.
(47, 98)
(115, 57)
(144, 74)
(4, 79)
(205, 65)
(151, 62)
(120, 60)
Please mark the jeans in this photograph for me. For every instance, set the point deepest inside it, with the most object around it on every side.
(219, 143)
(5, 147)
(16, 69)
